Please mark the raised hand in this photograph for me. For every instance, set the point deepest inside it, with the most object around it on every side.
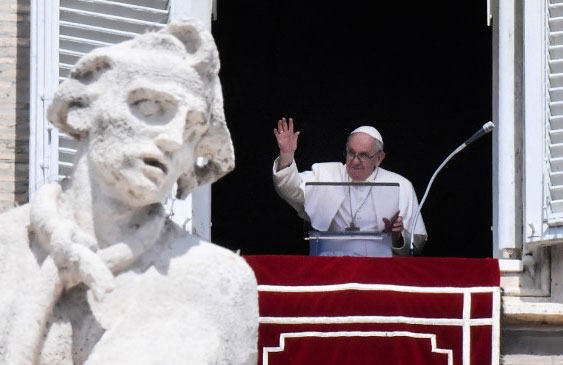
(287, 142)
(287, 139)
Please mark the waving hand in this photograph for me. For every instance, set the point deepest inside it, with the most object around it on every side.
(287, 142)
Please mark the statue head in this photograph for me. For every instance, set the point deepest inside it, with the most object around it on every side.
(148, 112)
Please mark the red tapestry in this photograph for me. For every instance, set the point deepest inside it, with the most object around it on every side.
(350, 310)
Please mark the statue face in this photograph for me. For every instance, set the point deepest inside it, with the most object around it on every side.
(145, 126)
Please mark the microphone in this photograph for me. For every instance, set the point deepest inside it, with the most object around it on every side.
(486, 128)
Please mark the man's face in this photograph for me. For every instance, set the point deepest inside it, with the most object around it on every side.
(145, 129)
(362, 157)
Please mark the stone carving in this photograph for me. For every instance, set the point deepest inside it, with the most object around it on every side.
(92, 271)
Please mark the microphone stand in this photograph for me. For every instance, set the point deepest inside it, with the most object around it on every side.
(487, 127)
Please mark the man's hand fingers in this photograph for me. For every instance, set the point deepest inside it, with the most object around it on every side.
(398, 224)
(284, 127)
(395, 224)
(280, 125)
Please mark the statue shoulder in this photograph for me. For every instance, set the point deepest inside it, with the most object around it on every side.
(185, 252)
(18, 215)
(16, 236)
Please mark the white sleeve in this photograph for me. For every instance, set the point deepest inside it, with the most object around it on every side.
(287, 183)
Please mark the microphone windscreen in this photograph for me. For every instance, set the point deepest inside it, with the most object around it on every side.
(489, 126)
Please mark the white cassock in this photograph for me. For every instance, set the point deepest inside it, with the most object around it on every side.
(344, 205)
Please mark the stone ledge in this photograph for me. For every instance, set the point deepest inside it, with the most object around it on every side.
(531, 360)
(507, 265)
(531, 310)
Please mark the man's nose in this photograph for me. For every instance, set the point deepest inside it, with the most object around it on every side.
(356, 160)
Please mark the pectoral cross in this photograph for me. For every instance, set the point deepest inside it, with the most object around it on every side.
(352, 228)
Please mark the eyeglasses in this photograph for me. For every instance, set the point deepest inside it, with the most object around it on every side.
(362, 156)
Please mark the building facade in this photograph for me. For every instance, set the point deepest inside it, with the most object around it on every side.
(40, 41)
(14, 102)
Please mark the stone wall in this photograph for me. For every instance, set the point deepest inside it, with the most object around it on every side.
(14, 102)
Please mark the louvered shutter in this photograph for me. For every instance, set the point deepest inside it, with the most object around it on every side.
(555, 113)
(78, 26)
(88, 24)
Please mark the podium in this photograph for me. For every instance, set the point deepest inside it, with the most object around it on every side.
(344, 235)
(362, 244)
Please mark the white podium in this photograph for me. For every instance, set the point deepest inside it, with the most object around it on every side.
(323, 199)
(364, 244)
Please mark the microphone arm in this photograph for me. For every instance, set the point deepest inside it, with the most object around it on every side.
(487, 127)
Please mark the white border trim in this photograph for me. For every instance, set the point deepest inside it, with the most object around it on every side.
(374, 287)
(460, 322)
(466, 328)
(465, 322)
(283, 336)
(495, 335)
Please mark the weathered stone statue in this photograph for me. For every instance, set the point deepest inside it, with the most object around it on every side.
(92, 271)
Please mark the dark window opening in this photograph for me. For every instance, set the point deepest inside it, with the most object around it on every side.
(420, 72)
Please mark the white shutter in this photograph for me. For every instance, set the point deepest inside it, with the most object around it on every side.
(88, 24)
(554, 131)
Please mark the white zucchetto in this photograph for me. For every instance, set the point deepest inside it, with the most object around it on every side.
(369, 131)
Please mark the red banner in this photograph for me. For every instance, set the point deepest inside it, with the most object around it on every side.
(348, 310)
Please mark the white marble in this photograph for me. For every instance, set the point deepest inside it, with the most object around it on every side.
(91, 271)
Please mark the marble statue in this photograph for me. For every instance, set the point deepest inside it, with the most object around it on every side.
(92, 271)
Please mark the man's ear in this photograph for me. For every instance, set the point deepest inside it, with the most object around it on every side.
(380, 157)
(72, 99)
